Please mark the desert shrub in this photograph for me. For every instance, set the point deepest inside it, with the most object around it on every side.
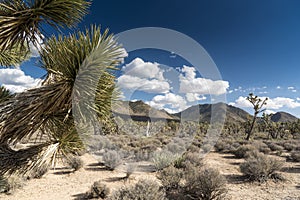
(98, 190)
(193, 148)
(295, 156)
(260, 167)
(206, 148)
(265, 150)
(179, 162)
(275, 147)
(9, 184)
(163, 159)
(194, 159)
(206, 184)
(170, 177)
(112, 159)
(39, 172)
(289, 146)
(259, 144)
(99, 144)
(242, 150)
(243, 142)
(175, 148)
(75, 162)
(261, 147)
(223, 146)
(129, 170)
(3, 184)
(234, 147)
(141, 155)
(143, 190)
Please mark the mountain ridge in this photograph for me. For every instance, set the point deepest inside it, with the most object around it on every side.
(140, 111)
(283, 117)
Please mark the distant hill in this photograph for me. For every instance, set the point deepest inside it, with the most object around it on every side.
(140, 111)
(283, 117)
(204, 111)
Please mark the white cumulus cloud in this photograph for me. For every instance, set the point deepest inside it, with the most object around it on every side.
(272, 103)
(241, 102)
(268, 112)
(143, 76)
(175, 102)
(280, 102)
(190, 84)
(191, 97)
(142, 69)
(141, 84)
(16, 81)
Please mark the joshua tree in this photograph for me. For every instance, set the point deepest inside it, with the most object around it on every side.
(257, 103)
(47, 110)
(294, 128)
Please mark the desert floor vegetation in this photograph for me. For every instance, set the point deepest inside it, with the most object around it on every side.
(43, 156)
(257, 175)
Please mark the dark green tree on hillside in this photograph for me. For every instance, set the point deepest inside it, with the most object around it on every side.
(257, 104)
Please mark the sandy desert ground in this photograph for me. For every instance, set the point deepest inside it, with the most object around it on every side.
(63, 184)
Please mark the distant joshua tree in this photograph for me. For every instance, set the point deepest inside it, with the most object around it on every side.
(257, 103)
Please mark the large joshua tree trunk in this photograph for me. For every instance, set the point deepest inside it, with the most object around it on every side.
(249, 133)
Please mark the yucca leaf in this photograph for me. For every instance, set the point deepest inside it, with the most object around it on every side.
(21, 21)
(79, 66)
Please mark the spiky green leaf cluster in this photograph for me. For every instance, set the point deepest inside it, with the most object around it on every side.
(13, 56)
(79, 69)
(4, 94)
(21, 21)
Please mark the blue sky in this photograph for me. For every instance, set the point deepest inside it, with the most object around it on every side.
(254, 44)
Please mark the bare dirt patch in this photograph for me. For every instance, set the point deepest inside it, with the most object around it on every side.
(62, 183)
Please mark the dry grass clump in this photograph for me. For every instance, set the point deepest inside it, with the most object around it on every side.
(295, 156)
(290, 145)
(275, 147)
(260, 167)
(75, 162)
(192, 181)
(143, 190)
(261, 146)
(241, 152)
(112, 159)
(10, 184)
(228, 145)
(142, 155)
(170, 178)
(97, 191)
(39, 172)
(223, 146)
(163, 159)
(206, 184)
(176, 148)
(3, 184)
(193, 159)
